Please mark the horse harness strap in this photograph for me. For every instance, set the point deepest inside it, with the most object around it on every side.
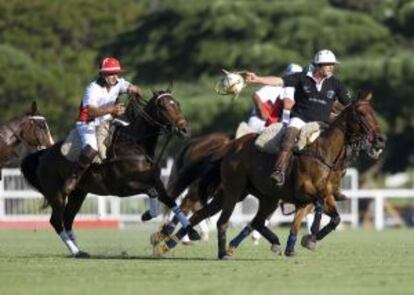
(337, 164)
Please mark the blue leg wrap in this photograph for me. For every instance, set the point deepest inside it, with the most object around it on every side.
(167, 229)
(291, 242)
(245, 232)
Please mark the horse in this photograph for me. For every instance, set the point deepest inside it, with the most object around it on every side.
(28, 131)
(190, 164)
(312, 178)
(130, 168)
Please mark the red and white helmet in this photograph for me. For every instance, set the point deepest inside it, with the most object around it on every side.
(111, 65)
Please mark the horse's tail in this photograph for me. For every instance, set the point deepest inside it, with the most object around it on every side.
(29, 168)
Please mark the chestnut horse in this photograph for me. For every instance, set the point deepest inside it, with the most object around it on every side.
(29, 131)
(129, 169)
(313, 175)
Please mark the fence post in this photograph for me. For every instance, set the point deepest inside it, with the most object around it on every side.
(379, 211)
(2, 201)
(101, 207)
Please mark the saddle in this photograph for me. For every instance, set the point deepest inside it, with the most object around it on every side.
(244, 129)
(71, 147)
(271, 138)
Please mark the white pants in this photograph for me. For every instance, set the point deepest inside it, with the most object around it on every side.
(87, 133)
(256, 124)
(296, 123)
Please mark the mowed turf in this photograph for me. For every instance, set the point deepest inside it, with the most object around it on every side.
(347, 262)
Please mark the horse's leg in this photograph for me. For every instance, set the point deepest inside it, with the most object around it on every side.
(258, 224)
(209, 210)
(222, 225)
(185, 207)
(168, 228)
(172, 205)
(72, 208)
(300, 213)
(56, 220)
(309, 241)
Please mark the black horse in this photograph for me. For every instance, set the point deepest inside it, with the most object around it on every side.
(129, 169)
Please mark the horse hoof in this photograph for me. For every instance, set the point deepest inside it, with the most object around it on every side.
(160, 249)
(193, 234)
(82, 254)
(146, 216)
(290, 253)
(224, 257)
(275, 248)
(309, 242)
(156, 238)
(231, 251)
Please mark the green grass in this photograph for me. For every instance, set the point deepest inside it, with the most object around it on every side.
(348, 262)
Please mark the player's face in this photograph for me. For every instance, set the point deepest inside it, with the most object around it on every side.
(111, 79)
(326, 70)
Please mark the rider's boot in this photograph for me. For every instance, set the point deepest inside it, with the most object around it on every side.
(85, 160)
(282, 160)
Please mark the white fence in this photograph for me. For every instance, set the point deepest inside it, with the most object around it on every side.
(19, 203)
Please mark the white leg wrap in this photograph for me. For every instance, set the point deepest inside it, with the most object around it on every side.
(72, 236)
(69, 243)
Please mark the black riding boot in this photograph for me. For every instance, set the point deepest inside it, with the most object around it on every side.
(282, 160)
(85, 160)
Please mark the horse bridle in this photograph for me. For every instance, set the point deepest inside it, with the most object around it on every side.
(20, 138)
(363, 136)
(149, 118)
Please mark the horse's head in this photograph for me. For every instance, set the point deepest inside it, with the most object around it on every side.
(35, 130)
(166, 111)
(363, 125)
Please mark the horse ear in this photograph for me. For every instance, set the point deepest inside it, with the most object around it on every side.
(364, 94)
(33, 109)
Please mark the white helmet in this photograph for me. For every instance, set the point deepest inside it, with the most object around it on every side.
(292, 68)
(324, 56)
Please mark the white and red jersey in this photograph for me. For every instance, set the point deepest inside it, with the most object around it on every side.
(98, 95)
(272, 101)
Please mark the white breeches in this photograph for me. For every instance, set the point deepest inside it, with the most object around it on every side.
(296, 123)
(87, 133)
(256, 124)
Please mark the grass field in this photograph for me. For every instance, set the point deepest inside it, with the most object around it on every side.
(348, 262)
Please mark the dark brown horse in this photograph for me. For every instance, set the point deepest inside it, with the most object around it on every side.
(129, 170)
(189, 166)
(27, 132)
(313, 174)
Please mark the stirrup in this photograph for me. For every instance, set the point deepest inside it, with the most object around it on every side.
(278, 177)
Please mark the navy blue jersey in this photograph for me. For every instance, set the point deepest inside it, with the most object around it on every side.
(312, 104)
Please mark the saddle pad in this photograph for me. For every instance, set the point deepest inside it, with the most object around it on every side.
(269, 141)
(243, 129)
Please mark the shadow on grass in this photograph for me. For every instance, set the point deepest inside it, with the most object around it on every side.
(135, 257)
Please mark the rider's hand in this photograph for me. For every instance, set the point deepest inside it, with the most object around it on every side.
(251, 77)
(118, 109)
